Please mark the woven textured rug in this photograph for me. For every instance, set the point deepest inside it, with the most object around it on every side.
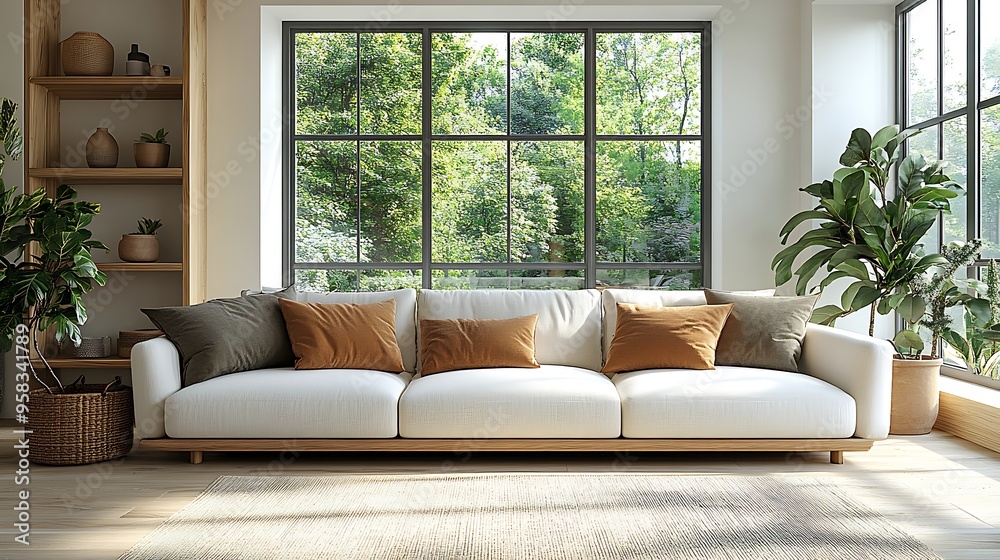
(606, 516)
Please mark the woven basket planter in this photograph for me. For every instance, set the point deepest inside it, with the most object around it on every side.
(86, 424)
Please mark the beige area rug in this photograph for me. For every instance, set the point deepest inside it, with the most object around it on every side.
(606, 516)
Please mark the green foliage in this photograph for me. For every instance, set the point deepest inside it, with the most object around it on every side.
(936, 292)
(147, 226)
(159, 138)
(864, 235)
(46, 290)
(10, 134)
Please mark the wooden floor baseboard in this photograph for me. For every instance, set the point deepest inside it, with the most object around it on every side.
(969, 418)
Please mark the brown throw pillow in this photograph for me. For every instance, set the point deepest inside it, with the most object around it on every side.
(451, 344)
(343, 335)
(666, 337)
(762, 332)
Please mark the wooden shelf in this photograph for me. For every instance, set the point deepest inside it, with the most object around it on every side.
(112, 362)
(111, 175)
(112, 87)
(141, 267)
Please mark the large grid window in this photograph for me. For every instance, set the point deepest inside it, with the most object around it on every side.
(520, 155)
(949, 87)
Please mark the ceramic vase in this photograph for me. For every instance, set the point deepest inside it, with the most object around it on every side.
(102, 149)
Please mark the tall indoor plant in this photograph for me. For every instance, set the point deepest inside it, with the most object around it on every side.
(46, 267)
(10, 149)
(869, 230)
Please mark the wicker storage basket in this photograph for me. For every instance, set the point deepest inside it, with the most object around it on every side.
(87, 54)
(128, 339)
(86, 424)
(90, 348)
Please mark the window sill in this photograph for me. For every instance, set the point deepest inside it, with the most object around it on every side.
(970, 411)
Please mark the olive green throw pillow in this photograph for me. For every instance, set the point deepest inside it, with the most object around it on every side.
(763, 332)
(226, 335)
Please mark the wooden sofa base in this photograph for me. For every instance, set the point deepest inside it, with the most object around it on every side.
(197, 447)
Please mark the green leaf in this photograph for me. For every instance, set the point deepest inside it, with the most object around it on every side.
(858, 296)
(911, 308)
(855, 268)
(980, 310)
(797, 219)
(908, 343)
(858, 148)
(827, 314)
(884, 136)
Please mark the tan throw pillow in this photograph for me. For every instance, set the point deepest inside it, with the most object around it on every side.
(343, 335)
(451, 344)
(681, 337)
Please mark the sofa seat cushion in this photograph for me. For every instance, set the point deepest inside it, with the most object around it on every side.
(732, 402)
(547, 402)
(288, 403)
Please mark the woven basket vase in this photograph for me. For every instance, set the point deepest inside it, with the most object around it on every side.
(87, 424)
(87, 54)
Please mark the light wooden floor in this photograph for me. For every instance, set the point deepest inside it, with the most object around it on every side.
(941, 489)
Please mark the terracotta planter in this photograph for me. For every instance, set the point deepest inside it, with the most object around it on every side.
(151, 154)
(915, 396)
(102, 149)
(136, 247)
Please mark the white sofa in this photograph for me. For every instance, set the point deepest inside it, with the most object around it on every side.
(840, 401)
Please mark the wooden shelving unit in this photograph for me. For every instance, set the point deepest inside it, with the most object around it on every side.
(85, 363)
(112, 87)
(46, 88)
(141, 267)
(111, 176)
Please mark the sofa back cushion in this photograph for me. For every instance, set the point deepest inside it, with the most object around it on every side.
(568, 331)
(651, 298)
(406, 312)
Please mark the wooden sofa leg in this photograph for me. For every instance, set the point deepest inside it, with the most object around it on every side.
(196, 457)
(836, 457)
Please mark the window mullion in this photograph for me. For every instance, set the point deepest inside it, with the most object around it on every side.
(510, 207)
(425, 161)
(590, 158)
(972, 172)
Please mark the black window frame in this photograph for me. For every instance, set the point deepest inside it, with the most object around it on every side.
(590, 138)
(971, 111)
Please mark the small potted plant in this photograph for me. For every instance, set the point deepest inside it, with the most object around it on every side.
(141, 246)
(152, 150)
(915, 396)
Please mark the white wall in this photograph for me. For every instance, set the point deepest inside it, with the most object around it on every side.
(756, 96)
(854, 95)
(11, 87)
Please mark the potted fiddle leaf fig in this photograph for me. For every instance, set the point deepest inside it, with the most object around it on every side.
(41, 291)
(869, 231)
(10, 149)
